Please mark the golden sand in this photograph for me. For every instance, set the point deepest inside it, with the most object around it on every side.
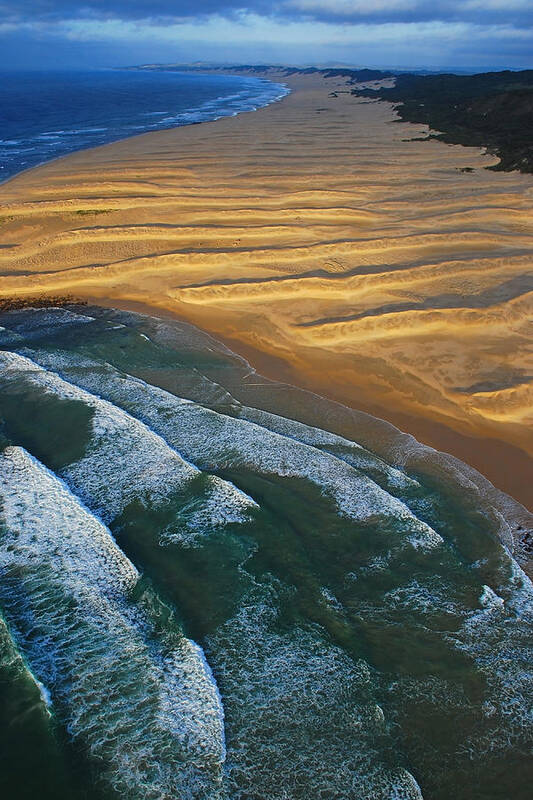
(322, 242)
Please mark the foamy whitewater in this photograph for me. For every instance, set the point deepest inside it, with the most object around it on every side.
(205, 596)
(45, 115)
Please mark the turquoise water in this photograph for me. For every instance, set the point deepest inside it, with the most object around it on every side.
(211, 589)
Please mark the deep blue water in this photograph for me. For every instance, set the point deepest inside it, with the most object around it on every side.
(44, 115)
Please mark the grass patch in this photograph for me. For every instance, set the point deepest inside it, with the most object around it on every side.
(86, 212)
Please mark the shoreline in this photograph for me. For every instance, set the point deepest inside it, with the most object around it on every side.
(451, 443)
(246, 292)
(511, 521)
(83, 149)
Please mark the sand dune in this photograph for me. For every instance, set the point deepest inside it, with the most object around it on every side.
(323, 242)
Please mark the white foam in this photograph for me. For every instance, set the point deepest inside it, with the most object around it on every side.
(283, 689)
(10, 338)
(520, 597)
(51, 316)
(12, 664)
(431, 597)
(497, 636)
(144, 704)
(125, 460)
(344, 449)
(404, 787)
(490, 600)
(216, 441)
(218, 506)
(46, 695)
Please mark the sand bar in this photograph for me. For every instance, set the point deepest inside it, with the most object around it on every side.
(322, 242)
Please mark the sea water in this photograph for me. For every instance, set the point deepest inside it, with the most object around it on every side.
(44, 115)
(205, 594)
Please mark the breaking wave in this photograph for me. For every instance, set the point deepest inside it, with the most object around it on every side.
(142, 701)
(124, 460)
(212, 600)
(215, 441)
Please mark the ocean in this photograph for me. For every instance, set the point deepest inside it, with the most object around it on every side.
(44, 115)
(213, 586)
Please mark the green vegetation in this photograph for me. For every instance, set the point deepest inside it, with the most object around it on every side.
(91, 211)
(492, 110)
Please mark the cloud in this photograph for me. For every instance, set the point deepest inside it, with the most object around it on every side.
(389, 33)
(50, 10)
(353, 8)
(518, 12)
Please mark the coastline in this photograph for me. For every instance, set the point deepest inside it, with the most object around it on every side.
(197, 115)
(200, 519)
(402, 447)
(264, 387)
(300, 254)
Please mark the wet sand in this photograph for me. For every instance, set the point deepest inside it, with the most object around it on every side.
(319, 240)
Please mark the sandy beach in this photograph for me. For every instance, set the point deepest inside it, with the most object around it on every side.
(322, 241)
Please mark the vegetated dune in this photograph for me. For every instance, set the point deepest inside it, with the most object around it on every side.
(324, 241)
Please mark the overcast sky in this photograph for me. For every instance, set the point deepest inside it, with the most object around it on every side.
(436, 34)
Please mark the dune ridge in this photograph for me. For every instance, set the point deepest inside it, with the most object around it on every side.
(322, 241)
